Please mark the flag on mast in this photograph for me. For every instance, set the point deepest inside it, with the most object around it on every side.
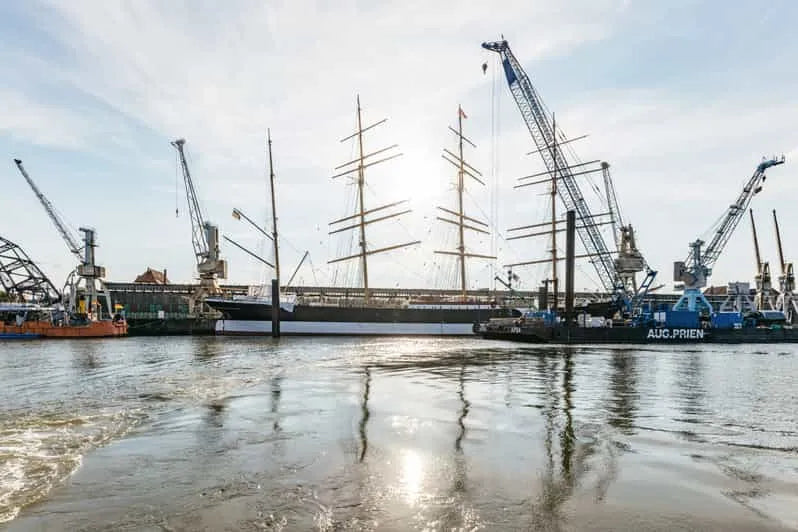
(461, 112)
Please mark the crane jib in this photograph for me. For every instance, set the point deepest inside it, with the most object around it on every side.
(509, 72)
(541, 128)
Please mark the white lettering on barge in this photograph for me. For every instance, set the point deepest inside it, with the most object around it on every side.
(675, 334)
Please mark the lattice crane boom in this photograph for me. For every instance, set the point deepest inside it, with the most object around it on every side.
(204, 236)
(695, 270)
(612, 204)
(66, 235)
(198, 237)
(540, 127)
(735, 213)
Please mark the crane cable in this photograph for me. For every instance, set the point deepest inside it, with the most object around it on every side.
(494, 169)
(177, 165)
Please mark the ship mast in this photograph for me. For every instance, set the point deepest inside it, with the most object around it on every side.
(274, 210)
(463, 169)
(460, 184)
(554, 280)
(356, 169)
(360, 182)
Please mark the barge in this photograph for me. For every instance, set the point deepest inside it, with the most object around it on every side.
(663, 327)
(30, 320)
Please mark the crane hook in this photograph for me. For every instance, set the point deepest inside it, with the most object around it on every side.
(484, 68)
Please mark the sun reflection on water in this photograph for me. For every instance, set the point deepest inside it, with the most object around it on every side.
(412, 476)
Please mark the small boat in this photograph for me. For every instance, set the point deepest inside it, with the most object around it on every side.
(31, 320)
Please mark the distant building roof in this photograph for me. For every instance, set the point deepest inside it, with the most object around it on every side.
(152, 277)
(716, 291)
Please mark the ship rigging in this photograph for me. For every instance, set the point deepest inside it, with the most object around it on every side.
(460, 218)
(355, 170)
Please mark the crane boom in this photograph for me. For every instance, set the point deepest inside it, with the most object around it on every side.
(612, 204)
(540, 127)
(204, 238)
(757, 255)
(198, 237)
(735, 213)
(68, 238)
(696, 269)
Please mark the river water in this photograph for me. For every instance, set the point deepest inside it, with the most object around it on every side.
(395, 434)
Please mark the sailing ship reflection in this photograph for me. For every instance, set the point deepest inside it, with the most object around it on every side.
(577, 453)
(276, 391)
(365, 414)
(459, 457)
(556, 486)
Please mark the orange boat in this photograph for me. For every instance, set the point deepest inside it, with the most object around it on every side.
(27, 320)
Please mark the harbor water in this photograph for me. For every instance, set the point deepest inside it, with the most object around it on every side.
(205, 433)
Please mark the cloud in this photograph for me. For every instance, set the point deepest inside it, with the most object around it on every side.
(25, 119)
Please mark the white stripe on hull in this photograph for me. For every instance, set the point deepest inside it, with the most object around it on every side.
(228, 327)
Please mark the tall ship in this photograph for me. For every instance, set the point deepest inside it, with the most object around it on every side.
(631, 316)
(366, 311)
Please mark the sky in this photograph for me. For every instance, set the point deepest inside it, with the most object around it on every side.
(682, 98)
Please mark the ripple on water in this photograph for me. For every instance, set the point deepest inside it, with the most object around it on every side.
(39, 451)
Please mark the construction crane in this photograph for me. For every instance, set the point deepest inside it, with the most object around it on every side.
(694, 271)
(786, 301)
(85, 300)
(762, 279)
(204, 236)
(619, 283)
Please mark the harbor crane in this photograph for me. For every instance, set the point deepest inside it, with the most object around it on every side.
(694, 271)
(616, 271)
(204, 236)
(786, 301)
(85, 290)
(762, 279)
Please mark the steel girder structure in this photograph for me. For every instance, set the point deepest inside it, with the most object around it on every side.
(21, 278)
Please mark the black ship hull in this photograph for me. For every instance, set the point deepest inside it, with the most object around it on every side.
(639, 335)
(249, 317)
